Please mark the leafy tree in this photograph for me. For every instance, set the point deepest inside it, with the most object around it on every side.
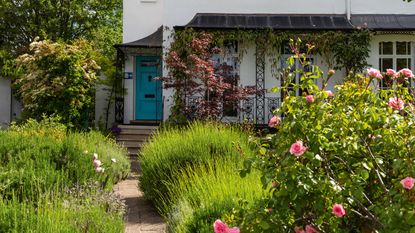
(57, 79)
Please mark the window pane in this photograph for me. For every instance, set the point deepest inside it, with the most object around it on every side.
(402, 63)
(386, 48)
(403, 48)
(385, 63)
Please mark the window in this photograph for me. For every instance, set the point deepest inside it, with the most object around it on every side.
(227, 65)
(394, 55)
(297, 66)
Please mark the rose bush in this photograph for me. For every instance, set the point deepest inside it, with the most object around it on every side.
(338, 164)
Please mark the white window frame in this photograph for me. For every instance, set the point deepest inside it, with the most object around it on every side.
(395, 56)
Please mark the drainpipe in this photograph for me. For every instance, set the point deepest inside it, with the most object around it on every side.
(348, 9)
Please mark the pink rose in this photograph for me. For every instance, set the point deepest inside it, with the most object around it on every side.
(407, 73)
(408, 182)
(310, 99)
(298, 148)
(338, 210)
(99, 169)
(97, 163)
(396, 103)
(221, 227)
(274, 121)
(310, 229)
(234, 230)
(374, 73)
(298, 230)
(329, 93)
(392, 73)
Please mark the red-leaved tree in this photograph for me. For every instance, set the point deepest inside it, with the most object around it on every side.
(202, 88)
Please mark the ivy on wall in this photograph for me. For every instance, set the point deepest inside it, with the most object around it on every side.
(339, 49)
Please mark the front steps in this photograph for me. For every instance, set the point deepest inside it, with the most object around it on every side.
(133, 137)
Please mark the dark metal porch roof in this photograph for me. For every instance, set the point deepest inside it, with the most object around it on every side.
(269, 21)
(155, 40)
(384, 21)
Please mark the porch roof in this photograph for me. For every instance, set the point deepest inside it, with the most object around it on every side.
(384, 21)
(269, 21)
(155, 40)
(301, 21)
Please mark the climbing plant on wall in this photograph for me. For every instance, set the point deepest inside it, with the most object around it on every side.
(339, 49)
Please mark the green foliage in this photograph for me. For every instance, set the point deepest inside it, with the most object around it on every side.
(77, 210)
(358, 151)
(23, 20)
(171, 150)
(58, 79)
(48, 182)
(35, 160)
(202, 194)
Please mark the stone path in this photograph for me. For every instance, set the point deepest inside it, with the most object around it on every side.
(141, 215)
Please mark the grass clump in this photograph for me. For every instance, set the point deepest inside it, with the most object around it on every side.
(172, 150)
(48, 182)
(202, 194)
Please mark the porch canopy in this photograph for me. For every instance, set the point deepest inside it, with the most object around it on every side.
(300, 21)
(154, 40)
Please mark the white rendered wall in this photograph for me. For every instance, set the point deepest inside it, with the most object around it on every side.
(141, 18)
(5, 102)
(101, 103)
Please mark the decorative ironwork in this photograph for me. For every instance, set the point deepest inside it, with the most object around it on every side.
(272, 104)
(246, 111)
(260, 85)
(119, 109)
(119, 88)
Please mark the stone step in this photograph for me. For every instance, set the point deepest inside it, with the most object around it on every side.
(132, 137)
(130, 144)
(151, 127)
(133, 150)
(137, 131)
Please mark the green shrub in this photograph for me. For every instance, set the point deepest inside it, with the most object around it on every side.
(41, 164)
(87, 209)
(202, 194)
(171, 150)
(352, 150)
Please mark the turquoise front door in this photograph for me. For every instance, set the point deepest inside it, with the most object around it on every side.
(148, 90)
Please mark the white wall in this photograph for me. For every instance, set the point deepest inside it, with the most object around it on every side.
(5, 101)
(382, 7)
(141, 18)
(101, 102)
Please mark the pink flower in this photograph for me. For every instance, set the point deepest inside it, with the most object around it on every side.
(331, 72)
(234, 230)
(407, 73)
(338, 210)
(329, 93)
(298, 148)
(221, 227)
(298, 230)
(408, 182)
(274, 121)
(374, 73)
(396, 103)
(310, 229)
(310, 99)
(392, 73)
(99, 169)
(97, 163)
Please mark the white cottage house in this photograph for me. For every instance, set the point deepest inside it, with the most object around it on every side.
(145, 43)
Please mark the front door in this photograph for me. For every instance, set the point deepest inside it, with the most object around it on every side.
(148, 90)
